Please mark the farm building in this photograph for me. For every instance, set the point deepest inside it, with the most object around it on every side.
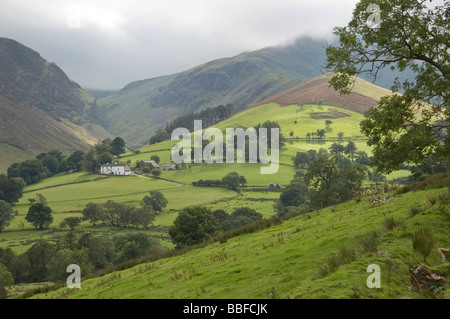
(115, 169)
(168, 167)
(149, 164)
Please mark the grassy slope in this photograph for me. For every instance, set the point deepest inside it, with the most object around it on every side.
(284, 259)
(67, 197)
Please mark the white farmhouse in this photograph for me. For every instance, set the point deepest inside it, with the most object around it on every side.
(115, 169)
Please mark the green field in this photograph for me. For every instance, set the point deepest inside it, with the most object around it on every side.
(68, 194)
(283, 260)
(239, 268)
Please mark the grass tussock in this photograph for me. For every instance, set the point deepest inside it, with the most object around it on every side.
(390, 223)
(423, 241)
(344, 256)
(370, 242)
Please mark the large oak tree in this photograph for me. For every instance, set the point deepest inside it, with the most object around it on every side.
(412, 34)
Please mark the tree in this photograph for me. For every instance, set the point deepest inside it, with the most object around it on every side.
(337, 149)
(350, 149)
(329, 184)
(39, 215)
(412, 35)
(40, 199)
(132, 246)
(51, 163)
(111, 213)
(159, 136)
(245, 215)
(39, 257)
(93, 213)
(192, 226)
(295, 194)
(156, 200)
(362, 158)
(72, 222)
(73, 161)
(31, 171)
(103, 146)
(6, 214)
(105, 158)
(11, 189)
(340, 136)
(58, 264)
(90, 163)
(242, 180)
(100, 251)
(321, 133)
(301, 159)
(328, 123)
(142, 216)
(232, 180)
(6, 277)
(226, 222)
(117, 146)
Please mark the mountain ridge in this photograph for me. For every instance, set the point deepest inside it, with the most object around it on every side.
(242, 80)
(41, 108)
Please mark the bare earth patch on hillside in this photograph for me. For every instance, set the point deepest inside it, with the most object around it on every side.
(317, 91)
(331, 114)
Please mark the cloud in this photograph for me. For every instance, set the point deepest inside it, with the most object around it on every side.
(107, 44)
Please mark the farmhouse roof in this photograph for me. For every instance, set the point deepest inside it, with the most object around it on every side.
(114, 165)
(151, 162)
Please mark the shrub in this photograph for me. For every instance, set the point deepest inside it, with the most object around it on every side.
(423, 241)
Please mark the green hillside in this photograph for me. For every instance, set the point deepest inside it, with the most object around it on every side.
(68, 194)
(243, 80)
(288, 260)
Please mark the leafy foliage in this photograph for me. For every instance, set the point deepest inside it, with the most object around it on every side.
(6, 214)
(331, 184)
(412, 34)
(192, 226)
(156, 200)
(39, 215)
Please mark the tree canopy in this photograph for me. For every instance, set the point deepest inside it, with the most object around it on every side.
(413, 35)
(192, 226)
(39, 215)
(6, 214)
(156, 200)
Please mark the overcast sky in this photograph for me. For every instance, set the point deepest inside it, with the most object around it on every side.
(108, 43)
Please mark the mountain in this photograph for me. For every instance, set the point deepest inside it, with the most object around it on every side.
(41, 108)
(244, 80)
(142, 106)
